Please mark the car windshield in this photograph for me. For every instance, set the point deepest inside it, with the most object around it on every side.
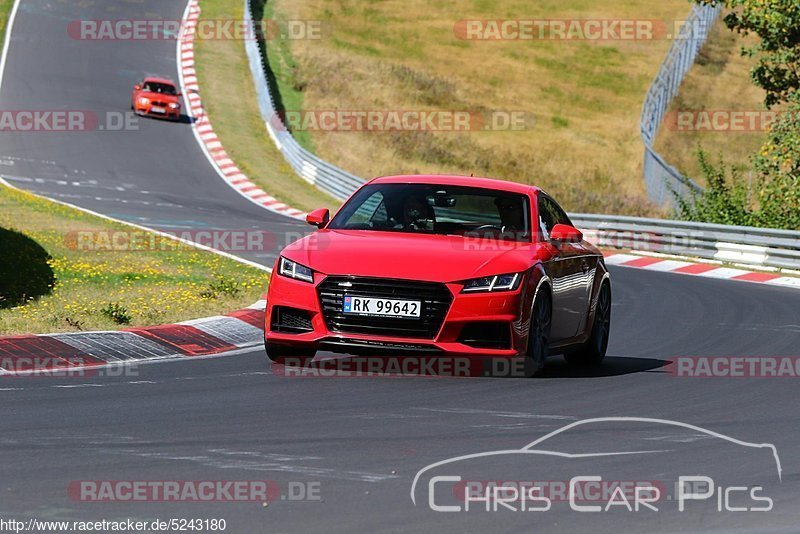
(437, 209)
(155, 87)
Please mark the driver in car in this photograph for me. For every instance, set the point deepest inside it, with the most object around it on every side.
(417, 215)
(512, 216)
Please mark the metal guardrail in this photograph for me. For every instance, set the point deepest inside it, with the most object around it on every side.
(661, 178)
(732, 244)
(327, 177)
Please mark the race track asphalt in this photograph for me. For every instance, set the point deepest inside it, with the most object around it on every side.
(360, 439)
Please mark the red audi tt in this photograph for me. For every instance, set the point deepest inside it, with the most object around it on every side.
(441, 265)
(156, 97)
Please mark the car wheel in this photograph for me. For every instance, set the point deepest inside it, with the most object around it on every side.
(538, 335)
(594, 350)
(286, 354)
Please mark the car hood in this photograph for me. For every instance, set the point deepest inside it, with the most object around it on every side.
(436, 258)
(159, 96)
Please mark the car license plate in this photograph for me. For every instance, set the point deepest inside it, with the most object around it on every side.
(381, 307)
(156, 109)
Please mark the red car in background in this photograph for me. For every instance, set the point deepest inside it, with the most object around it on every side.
(441, 265)
(156, 97)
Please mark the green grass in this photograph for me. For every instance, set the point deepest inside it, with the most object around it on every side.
(584, 98)
(99, 290)
(229, 99)
(719, 81)
(5, 11)
(286, 73)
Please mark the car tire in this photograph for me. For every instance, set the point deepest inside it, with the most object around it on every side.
(279, 353)
(538, 335)
(594, 350)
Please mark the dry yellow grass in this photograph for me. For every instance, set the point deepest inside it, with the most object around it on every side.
(585, 96)
(719, 81)
(229, 99)
(152, 287)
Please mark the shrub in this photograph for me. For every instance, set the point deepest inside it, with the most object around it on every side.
(117, 313)
(25, 272)
(724, 201)
(221, 286)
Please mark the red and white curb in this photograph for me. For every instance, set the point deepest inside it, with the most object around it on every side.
(708, 270)
(203, 131)
(44, 353)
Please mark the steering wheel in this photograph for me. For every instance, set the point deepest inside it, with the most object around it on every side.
(488, 227)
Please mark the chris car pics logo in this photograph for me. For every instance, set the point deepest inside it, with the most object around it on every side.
(691, 484)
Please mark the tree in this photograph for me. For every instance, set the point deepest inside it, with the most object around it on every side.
(777, 24)
(778, 163)
(776, 202)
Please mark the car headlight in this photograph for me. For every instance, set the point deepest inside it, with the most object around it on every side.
(174, 105)
(143, 101)
(294, 270)
(501, 282)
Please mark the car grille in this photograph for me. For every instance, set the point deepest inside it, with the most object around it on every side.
(435, 301)
(159, 104)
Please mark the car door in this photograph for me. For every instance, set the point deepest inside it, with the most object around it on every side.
(567, 272)
(585, 265)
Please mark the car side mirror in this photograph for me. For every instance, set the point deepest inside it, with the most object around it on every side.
(565, 233)
(137, 87)
(319, 217)
(179, 95)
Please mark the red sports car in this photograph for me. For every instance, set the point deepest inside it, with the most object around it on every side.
(156, 97)
(442, 265)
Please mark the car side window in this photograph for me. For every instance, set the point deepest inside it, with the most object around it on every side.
(559, 214)
(546, 216)
(550, 214)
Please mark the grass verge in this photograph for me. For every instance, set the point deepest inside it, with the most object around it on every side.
(229, 99)
(583, 97)
(719, 81)
(109, 290)
(5, 11)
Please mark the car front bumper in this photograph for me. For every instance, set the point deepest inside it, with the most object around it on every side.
(475, 324)
(169, 113)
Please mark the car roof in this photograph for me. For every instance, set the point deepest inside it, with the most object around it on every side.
(448, 179)
(158, 80)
